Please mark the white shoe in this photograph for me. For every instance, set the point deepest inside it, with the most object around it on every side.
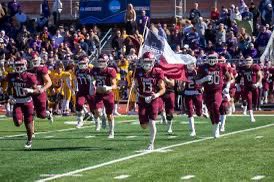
(116, 113)
(252, 120)
(222, 129)
(111, 135)
(28, 145)
(150, 147)
(33, 135)
(80, 124)
(216, 130)
(193, 133)
(50, 117)
(98, 127)
(169, 131)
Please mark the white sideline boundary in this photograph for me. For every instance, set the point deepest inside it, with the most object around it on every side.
(67, 129)
(145, 153)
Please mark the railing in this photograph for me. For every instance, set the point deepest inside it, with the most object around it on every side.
(102, 44)
(105, 39)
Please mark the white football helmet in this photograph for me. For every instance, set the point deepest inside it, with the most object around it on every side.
(248, 61)
(20, 65)
(147, 61)
(212, 59)
(102, 61)
(83, 63)
(36, 59)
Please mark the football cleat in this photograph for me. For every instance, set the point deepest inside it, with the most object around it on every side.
(193, 134)
(216, 130)
(28, 145)
(169, 131)
(252, 120)
(98, 126)
(80, 124)
(150, 147)
(50, 117)
(111, 135)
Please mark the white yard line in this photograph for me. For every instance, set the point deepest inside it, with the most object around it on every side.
(187, 177)
(45, 132)
(145, 153)
(259, 177)
(121, 177)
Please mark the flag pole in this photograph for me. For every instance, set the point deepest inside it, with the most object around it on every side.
(134, 71)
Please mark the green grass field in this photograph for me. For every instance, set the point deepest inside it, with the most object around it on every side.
(62, 153)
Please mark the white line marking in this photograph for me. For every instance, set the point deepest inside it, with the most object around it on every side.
(44, 132)
(90, 136)
(147, 152)
(195, 122)
(188, 177)
(258, 177)
(70, 122)
(49, 175)
(171, 137)
(121, 177)
(49, 137)
(165, 151)
(258, 137)
(131, 136)
(264, 115)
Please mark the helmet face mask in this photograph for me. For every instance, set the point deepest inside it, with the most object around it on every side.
(83, 63)
(102, 61)
(36, 62)
(147, 64)
(212, 60)
(20, 65)
(147, 61)
(248, 62)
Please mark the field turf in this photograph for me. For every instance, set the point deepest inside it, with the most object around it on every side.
(62, 153)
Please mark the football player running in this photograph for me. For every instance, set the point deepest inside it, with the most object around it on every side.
(212, 76)
(149, 84)
(252, 80)
(105, 82)
(85, 90)
(43, 83)
(193, 96)
(21, 85)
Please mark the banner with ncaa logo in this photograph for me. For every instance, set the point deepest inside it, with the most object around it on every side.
(109, 11)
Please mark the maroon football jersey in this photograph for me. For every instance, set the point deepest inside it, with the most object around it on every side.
(39, 72)
(103, 77)
(249, 74)
(266, 75)
(218, 73)
(20, 81)
(148, 82)
(83, 81)
(191, 86)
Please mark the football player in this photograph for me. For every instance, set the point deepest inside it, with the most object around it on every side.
(85, 90)
(193, 96)
(149, 83)
(212, 76)
(252, 76)
(105, 82)
(43, 83)
(21, 85)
